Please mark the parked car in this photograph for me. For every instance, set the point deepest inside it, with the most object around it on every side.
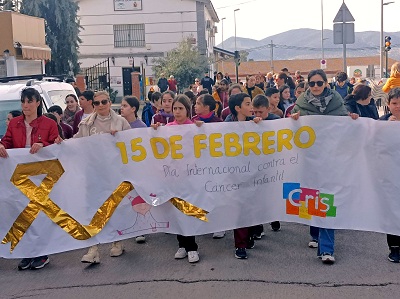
(52, 89)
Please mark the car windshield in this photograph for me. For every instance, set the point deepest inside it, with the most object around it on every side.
(57, 97)
(5, 108)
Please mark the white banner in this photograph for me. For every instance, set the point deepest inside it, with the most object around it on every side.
(325, 171)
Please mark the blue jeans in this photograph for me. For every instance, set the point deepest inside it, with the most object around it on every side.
(325, 238)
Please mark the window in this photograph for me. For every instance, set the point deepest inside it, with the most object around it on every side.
(129, 35)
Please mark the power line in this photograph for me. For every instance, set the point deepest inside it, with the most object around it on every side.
(236, 4)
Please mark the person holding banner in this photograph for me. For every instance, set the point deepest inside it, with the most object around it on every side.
(242, 110)
(35, 131)
(102, 120)
(181, 108)
(393, 241)
(318, 99)
(204, 109)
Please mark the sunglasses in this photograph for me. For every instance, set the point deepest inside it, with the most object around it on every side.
(103, 102)
(319, 83)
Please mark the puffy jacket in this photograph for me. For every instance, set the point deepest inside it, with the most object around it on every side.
(334, 107)
(44, 130)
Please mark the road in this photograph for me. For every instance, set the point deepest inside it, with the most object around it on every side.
(280, 266)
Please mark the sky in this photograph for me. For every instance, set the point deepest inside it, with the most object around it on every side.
(258, 19)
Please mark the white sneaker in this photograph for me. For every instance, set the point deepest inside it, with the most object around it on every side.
(218, 235)
(92, 256)
(117, 248)
(181, 253)
(313, 244)
(327, 258)
(140, 239)
(193, 256)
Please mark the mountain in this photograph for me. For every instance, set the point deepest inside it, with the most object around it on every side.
(306, 43)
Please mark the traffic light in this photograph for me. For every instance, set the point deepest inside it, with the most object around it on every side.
(237, 58)
(387, 43)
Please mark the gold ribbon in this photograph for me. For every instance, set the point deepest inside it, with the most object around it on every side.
(40, 201)
(189, 209)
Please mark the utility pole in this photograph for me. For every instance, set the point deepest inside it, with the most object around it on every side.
(272, 56)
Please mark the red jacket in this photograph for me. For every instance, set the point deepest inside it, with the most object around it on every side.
(44, 130)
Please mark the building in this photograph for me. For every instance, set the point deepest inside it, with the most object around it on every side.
(22, 45)
(121, 36)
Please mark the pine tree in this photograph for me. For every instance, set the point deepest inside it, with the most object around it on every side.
(62, 29)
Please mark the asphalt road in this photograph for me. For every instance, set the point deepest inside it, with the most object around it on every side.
(280, 266)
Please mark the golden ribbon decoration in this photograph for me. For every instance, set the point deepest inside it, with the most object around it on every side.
(189, 209)
(39, 201)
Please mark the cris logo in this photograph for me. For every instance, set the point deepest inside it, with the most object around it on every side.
(305, 202)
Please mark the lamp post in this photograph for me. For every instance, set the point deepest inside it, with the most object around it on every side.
(322, 30)
(236, 52)
(234, 20)
(381, 42)
(222, 33)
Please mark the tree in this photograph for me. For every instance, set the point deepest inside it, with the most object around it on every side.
(62, 29)
(243, 55)
(184, 62)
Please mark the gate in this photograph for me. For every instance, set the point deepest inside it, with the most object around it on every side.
(98, 76)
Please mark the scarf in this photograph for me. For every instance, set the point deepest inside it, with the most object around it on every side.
(320, 102)
(68, 116)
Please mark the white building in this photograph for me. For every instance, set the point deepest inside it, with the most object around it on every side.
(131, 33)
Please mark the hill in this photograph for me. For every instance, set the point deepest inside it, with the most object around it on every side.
(306, 43)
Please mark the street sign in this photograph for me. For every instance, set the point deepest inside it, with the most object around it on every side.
(350, 36)
(343, 15)
(323, 64)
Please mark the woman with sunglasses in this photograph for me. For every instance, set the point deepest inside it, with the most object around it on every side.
(72, 108)
(318, 99)
(102, 120)
(34, 131)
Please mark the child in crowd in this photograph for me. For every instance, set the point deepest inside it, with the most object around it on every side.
(360, 101)
(204, 108)
(285, 100)
(393, 241)
(242, 110)
(181, 108)
(151, 107)
(11, 115)
(234, 89)
(299, 89)
(272, 94)
(321, 100)
(129, 108)
(261, 109)
(192, 99)
(165, 114)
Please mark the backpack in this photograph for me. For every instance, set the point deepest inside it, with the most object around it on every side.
(147, 114)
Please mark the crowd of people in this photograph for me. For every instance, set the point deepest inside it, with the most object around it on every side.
(206, 101)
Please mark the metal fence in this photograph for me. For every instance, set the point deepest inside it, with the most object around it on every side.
(98, 76)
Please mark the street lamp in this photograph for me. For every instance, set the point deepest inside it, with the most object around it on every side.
(381, 43)
(322, 30)
(222, 33)
(234, 20)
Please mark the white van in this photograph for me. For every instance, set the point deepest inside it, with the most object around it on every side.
(52, 92)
